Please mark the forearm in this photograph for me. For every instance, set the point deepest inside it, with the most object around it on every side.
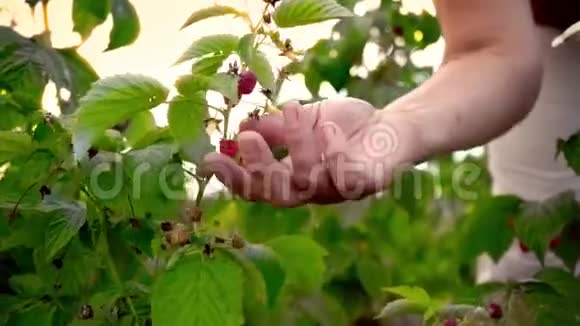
(489, 80)
(471, 100)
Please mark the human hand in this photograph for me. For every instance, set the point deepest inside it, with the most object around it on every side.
(342, 149)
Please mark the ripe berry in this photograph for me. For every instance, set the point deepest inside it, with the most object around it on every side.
(523, 247)
(229, 147)
(450, 322)
(247, 82)
(555, 242)
(494, 310)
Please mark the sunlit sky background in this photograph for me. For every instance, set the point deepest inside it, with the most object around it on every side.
(161, 42)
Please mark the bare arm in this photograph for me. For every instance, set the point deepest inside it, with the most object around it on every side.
(489, 79)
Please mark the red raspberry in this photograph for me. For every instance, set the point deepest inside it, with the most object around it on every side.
(247, 82)
(229, 147)
(523, 247)
(494, 310)
(450, 322)
(555, 242)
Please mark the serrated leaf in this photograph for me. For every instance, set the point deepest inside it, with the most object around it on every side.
(199, 291)
(569, 247)
(571, 150)
(488, 229)
(209, 12)
(208, 65)
(42, 314)
(88, 14)
(126, 25)
(139, 127)
(27, 285)
(302, 259)
(80, 75)
(65, 221)
(157, 180)
(80, 266)
(372, 275)
(186, 121)
(224, 83)
(13, 145)
(291, 13)
(111, 101)
(221, 44)
(413, 293)
(256, 61)
(541, 221)
(268, 263)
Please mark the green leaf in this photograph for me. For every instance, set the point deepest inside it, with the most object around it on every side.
(80, 267)
(111, 101)
(488, 229)
(27, 285)
(209, 12)
(302, 259)
(39, 315)
(222, 44)
(208, 65)
(541, 221)
(186, 121)
(224, 83)
(372, 275)
(412, 293)
(256, 61)
(268, 263)
(569, 247)
(13, 145)
(88, 14)
(82, 74)
(126, 25)
(571, 150)
(156, 181)
(291, 13)
(66, 220)
(139, 127)
(199, 291)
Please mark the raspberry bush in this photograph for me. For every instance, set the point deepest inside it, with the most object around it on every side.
(104, 218)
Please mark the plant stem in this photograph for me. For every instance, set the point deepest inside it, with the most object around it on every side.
(226, 122)
(202, 184)
(45, 16)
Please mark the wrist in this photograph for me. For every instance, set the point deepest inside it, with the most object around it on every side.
(411, 143)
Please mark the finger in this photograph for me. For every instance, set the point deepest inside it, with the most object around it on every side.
(302, 143)
(233, 176)
(254, 150)
(270, 126)
(346, 174)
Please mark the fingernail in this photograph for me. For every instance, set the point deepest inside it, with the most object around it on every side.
(249, 149)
